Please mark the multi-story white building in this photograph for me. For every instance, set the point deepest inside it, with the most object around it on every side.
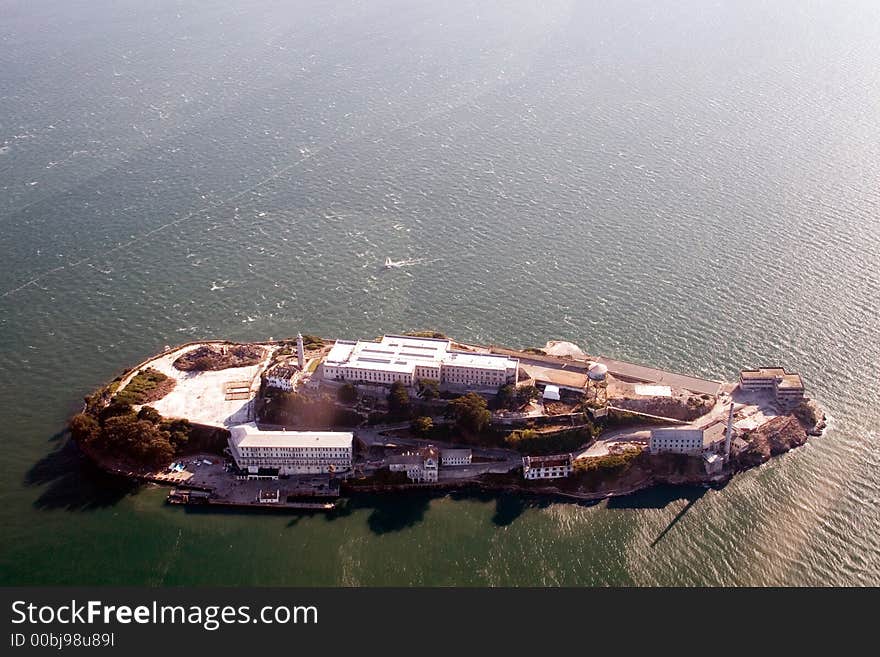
(787, 387)
(273, 453)
(547, 467)
(408, 360)
(688, 439)
(676, 440)
(421, 466)
(456, 457)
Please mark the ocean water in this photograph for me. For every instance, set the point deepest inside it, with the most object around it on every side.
(688, 184)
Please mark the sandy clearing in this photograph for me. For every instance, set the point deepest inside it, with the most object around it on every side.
(201, 396)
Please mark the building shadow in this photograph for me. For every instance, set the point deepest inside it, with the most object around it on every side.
(388, 513)
(394, 515)
(294, 515)
(674, 522)
(656, 497)
(510, 507)
(73, 482)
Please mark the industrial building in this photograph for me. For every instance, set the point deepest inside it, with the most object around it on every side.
(687, 440)
(273, 453)
(408, 360)
(787, 387)
(676, 440)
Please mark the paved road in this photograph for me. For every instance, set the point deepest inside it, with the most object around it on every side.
(653, 375)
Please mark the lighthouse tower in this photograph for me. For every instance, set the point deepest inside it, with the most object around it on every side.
(300, 352)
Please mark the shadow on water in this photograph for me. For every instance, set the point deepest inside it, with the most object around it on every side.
(658, 498)
(508, 506)
(293, 515)
(387, 513)
(392, 513)
(73, 482)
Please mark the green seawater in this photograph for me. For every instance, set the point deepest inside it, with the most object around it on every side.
(685, 184)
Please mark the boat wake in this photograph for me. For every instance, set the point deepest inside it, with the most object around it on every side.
(397, 264)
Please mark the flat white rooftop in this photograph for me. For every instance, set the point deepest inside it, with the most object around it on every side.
(398, 353)
(653, 391)
(482, 361)
(340, 352)
(551, 392)
(249, 435)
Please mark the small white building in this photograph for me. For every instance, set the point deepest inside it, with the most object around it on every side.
(268, 454)
(421, 466)
(547, 467)
(455, 457)
(551, 392)
(714, 463)
(269, 496)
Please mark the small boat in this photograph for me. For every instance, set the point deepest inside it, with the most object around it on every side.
(390, 264)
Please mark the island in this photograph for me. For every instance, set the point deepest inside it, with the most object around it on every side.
(307, 422)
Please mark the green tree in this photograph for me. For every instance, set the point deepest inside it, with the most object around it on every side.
(178, 432)
(347, 394)
(149, 414)
(506, 397)
(428, 389)
(525, 394)
(141, 440)
(398, 400)
(470, 412)
(115, 409)
(84, 429)
(422, 425)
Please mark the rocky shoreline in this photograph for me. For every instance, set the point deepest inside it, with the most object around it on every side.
(775, 436)
(774, 439)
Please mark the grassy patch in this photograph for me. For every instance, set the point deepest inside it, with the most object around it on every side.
(146, 386)
(312, 341)
(607, 462)
(219, 357)
(529, 441)
(426, 334)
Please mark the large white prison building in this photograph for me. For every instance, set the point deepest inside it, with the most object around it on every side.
(290, 452)
(406, 359)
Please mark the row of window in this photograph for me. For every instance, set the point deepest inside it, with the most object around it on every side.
(295, 450)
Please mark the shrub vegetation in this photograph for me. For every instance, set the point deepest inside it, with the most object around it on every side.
(146, 386)
(529, 441)
(470, 413)
(120, 433)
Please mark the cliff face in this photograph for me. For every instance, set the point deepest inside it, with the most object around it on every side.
(775, 437)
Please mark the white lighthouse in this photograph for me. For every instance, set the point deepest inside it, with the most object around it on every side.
(300, 352)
